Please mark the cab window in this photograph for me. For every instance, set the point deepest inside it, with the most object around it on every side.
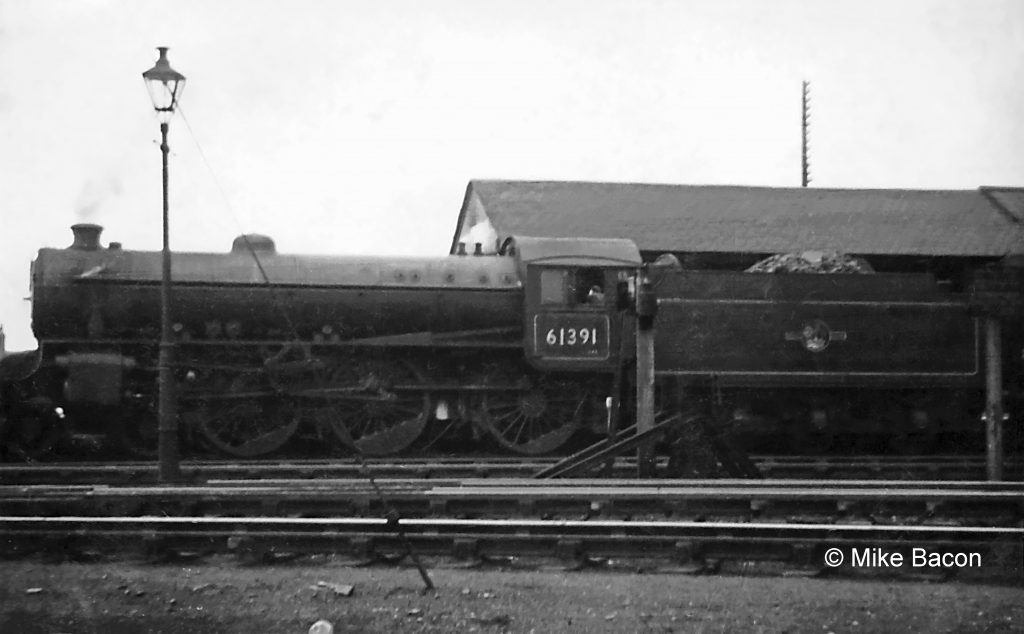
(589, 286)
(553, 286)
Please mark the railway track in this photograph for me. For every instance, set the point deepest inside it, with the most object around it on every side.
(866, 502)
(681, 546)
(198, 471)
(670, 525)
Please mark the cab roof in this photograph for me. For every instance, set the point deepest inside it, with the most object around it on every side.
(576, 252)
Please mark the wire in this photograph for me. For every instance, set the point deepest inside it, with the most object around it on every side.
(392, 514)
(245, 237)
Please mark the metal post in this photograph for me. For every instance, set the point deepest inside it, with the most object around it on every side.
(611, 432)
(646, 308)
(167, 426)
(993, 399)
(645, 398)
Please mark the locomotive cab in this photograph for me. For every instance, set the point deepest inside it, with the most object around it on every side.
(570, 317)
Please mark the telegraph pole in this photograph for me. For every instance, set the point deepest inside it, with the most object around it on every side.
(805, 164)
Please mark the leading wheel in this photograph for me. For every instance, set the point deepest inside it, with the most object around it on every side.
(136, 434)
(31, 430)
(536, 419)
(135, 426)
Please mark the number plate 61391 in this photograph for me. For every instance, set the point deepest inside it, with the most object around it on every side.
(571, 336)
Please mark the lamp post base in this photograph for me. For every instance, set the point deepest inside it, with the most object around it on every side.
(167, 449)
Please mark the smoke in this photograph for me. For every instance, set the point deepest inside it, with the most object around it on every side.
(92, 196)
(484, 233)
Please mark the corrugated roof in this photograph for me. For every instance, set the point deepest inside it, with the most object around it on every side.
(713, 218)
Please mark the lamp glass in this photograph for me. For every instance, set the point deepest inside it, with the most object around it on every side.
(165, 85)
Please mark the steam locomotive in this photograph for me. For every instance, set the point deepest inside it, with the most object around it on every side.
(524, 347)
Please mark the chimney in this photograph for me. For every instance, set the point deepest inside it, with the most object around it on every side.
(478, 249)
(462, 249)
(87, 236)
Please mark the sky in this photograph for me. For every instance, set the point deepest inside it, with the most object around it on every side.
(344, 127)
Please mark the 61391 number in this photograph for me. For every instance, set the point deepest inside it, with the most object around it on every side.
(572, 337)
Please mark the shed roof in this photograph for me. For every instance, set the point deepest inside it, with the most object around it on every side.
(737, 219)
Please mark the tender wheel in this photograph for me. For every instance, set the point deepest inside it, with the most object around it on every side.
(537, 419)
(375, 408)
(922, 415)
(249, 422)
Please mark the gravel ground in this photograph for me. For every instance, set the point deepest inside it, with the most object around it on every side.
(223, 597)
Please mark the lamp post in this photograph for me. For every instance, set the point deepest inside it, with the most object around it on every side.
(165, 86)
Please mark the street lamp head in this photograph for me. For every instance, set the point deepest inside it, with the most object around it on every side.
(165, 85)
